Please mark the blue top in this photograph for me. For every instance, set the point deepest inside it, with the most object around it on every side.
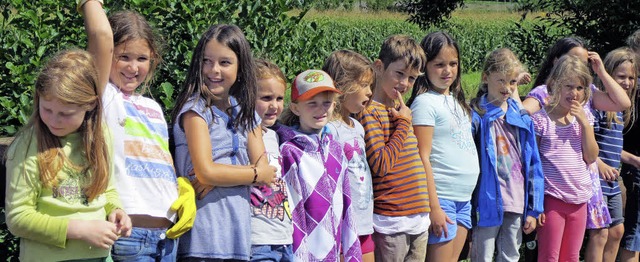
(222, 227)
(487, 200)
(609, 138)
(452, 141)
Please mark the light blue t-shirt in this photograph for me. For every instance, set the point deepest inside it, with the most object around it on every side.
(454, 159)
(222, 227)
(352, 141)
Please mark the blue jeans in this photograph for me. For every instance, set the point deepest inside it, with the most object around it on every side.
(506, 238)
(145, 244)
(276, 253)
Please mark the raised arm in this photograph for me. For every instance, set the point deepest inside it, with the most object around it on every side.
(614, 98)
(100, 37)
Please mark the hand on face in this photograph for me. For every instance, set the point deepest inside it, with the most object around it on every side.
(577, 111)
(401, 109)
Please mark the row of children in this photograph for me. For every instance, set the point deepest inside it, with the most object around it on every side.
(350, 170)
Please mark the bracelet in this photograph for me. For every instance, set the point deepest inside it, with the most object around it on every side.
(80, 3)
(255, 175)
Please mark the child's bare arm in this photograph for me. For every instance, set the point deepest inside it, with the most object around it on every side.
(100, 39)
(438, 217)
(589, 145)
(381, 154)
(213, 174)
(630, 159)
(614, 98)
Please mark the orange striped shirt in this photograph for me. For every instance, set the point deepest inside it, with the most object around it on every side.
(399, 179)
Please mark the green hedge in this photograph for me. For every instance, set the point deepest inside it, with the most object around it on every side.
(31, 31)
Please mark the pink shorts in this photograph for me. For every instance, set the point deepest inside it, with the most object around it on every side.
(366, 244)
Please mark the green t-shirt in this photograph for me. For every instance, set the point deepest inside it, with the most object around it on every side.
(40, 215)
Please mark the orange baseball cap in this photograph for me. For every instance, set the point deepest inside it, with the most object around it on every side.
(310, 83)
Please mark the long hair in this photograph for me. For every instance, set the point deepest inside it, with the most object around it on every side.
(245, 87)
(432, 44)
(349, 70)
(614, 59)
(130, 25)
(71, 78)
(564, 70)
(501, 60)
(559, 49)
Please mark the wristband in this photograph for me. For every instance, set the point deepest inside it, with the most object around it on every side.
(255, 175)
(80, 3)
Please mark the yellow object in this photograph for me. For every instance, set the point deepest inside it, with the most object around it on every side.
(185, 206)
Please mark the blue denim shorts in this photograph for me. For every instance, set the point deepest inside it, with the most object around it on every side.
(459, 213)
(631, 237)
(282, 253)
(145, 244)
(614, 203)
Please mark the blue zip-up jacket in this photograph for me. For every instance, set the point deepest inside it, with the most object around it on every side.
(487, 199)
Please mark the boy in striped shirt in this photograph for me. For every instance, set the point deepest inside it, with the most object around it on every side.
(401, 200)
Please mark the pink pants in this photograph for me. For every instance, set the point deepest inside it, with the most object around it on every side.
(560, 238)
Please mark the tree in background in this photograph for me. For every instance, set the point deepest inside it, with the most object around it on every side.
(426, 13)
(605, 24)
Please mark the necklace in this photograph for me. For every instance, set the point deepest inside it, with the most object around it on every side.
(453, 109)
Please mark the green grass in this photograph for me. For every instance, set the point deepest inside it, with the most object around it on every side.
(470, 83)
(483, 16)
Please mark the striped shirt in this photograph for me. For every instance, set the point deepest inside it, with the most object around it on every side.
(399, 179)
(565, 172)
(609, 138)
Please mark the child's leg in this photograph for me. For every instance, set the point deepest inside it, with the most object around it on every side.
(440, 248)
(616, 228)
(417, 247)
(509, 238)
(595, 247)
(550, 234)
(367, 246)
(463, 219)
(484, 243)
(573, 232)
(390, 247)
(458, 242)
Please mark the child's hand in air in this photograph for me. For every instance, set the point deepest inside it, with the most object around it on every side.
(596, 63)
(524, 78)
(529, 225)
(439, 221)
(122, 221)
(98, 233)
(401, 110)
